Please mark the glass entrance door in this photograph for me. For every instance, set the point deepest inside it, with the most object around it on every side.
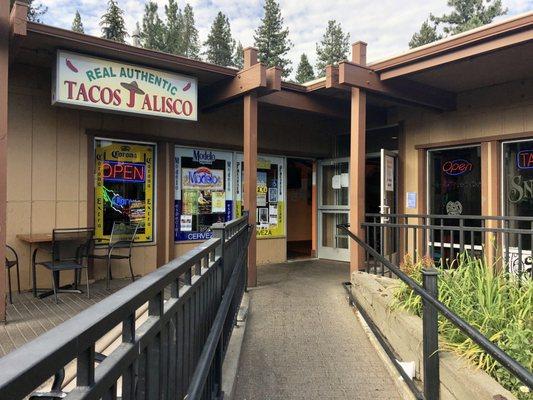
(333, 208)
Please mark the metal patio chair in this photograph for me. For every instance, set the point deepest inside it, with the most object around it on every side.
(122, 237)
(69, 248)
(10, 263)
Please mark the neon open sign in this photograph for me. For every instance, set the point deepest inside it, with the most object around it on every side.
(524, 159)
(116, 171)
(457, 167)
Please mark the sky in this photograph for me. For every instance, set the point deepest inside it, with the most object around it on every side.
(386, 25)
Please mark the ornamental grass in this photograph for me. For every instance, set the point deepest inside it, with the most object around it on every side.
(497, 304)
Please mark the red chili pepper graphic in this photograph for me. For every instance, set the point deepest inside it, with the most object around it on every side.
(71, 66)
(187, 86)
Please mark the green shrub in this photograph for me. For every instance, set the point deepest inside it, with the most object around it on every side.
(498, 305)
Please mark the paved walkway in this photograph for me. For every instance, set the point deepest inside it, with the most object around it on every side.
(302, 341)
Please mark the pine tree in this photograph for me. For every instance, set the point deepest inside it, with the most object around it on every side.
(238, 57)
(466, 14)
(153, 29)
(174, 28)
(469, 14)
(77, 25)
(427, 34)
(112, 23)
(333, 48)
(304, 72)
(220, 45)
(35, 11)
(272, 40)
(190, 39)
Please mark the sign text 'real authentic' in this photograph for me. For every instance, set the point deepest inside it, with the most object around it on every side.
(98, 83)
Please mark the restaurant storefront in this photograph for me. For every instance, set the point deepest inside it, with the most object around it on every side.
(102, 132)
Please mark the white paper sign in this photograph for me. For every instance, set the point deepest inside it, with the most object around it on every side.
(389, 173)
(345, 180)
(336, 182)
(411, 199)
(186, 223)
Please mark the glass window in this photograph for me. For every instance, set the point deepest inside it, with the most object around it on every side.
(270, 195)
(125, 176)
(204, 193)
(454, 186)
(518, 189)
(455, 181)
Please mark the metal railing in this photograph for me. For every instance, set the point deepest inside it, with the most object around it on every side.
(177, 352)
(506, 241)
(431, 307)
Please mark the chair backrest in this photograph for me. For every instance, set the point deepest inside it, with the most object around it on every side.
(123, 232)
(71, 244)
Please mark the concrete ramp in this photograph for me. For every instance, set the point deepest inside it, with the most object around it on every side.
(302, 341)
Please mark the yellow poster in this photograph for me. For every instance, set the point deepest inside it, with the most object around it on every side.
(124, 187)
(270, 192)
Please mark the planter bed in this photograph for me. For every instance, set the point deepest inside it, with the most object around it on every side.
(459, 380)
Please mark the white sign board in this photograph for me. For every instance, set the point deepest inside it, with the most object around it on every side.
(92, 82)
(389, 173)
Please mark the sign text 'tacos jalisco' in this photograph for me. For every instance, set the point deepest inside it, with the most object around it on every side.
(98, 83)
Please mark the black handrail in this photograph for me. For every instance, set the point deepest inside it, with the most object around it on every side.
(498, 354)
(212, 344)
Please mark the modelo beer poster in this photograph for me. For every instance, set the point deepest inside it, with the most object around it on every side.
(124, 187)
(204, 191)
(270, 195)
(92, 82)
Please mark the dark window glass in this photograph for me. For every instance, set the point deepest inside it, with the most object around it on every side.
(518, 187)
(455, 189)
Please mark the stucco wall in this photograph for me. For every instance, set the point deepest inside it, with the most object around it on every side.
(47, 159)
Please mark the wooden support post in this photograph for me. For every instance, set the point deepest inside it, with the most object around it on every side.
(314, 212)
(4, 68)
(357, 161)
(490, 190)
(250, 166)
(421, 188)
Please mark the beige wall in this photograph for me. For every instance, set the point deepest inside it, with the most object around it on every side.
(47, 159)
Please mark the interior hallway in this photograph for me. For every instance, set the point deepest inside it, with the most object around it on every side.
(302, 341)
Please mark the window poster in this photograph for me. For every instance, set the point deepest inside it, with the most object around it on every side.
(124, 189)
(270, 194)
(204, 192)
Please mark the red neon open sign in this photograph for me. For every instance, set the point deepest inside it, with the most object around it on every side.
(116, 171)
(457, 167)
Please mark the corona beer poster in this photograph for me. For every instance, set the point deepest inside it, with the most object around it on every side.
(124, 187)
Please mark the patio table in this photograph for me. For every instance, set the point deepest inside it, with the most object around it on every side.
(44, 241)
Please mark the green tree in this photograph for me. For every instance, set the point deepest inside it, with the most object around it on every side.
(112, 23)
(333, 48)
(426, 34)
(190, 41)
(153, 29)
(238, 57)
(465, 15)
(272, 39)
(219, 44)
(469, 14)
(35, 11)
(304, 72)
(77, 25)
(174, 28)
